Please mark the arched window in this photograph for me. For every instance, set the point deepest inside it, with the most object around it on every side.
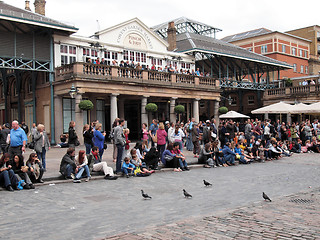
(14, 88)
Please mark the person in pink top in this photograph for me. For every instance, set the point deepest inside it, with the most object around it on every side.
(144, 135)
(161, 138)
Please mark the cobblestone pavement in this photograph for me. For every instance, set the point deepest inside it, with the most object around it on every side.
(100, 209)
(291, 217)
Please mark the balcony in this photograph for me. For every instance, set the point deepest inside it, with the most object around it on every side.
(121, 75)
(300, 93)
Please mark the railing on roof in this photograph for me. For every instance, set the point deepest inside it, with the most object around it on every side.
(292, 92)
(230, 83)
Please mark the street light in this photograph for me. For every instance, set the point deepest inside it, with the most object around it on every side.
(229, 99)
(73, 91)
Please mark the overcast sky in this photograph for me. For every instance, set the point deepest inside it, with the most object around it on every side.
(232, 16)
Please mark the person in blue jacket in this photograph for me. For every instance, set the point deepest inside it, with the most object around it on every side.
(98, 139)
(228, 155)
(127, 167)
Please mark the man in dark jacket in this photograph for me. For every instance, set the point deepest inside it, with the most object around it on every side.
(228, 155)
(3, 137)
(68, 165)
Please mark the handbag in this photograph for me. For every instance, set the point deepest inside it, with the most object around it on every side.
(168, 158)
(213, 135)
(154, 138)
(105, 145)
(77, 143)
(31, 145)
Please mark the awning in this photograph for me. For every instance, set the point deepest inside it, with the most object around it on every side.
(280, 107)
(233, 114)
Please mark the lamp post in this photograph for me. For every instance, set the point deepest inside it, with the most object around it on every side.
(74, 94)
(73, 91)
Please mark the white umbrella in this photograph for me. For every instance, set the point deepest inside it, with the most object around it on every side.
(313, 108)
(233, 114)
(280, 107)
(300, 108)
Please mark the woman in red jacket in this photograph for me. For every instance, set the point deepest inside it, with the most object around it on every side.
(161, 138)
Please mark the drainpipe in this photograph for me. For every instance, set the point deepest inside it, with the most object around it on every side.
(51, 80)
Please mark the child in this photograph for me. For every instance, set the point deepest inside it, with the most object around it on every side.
(127, 167)
(180, 156)
(135, 160)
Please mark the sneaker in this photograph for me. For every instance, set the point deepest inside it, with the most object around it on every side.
(76, 181)
(9, 188)
(27, 186)
(187, 169)
(87, 179)
(31, 186)
(40, 181)
(127, 176)
(72, 176)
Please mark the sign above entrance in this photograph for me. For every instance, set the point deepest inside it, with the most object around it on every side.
(135, 36)
(134, 40)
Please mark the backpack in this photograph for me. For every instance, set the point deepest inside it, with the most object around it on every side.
(111, 134)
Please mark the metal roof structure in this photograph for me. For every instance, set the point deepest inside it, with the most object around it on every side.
(18, 15)
(186, 25)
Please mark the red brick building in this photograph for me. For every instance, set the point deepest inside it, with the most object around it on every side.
(283, 47)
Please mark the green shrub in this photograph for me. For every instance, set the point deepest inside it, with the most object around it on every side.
(179, 109)
(85, 105)
(151, 107)
(223, 110)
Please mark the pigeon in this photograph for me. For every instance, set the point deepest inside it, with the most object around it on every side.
(144, 195)
(207, 184)
(186, 195)
(265, 196)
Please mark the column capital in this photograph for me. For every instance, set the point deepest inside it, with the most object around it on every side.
(145, 96)
(197, 99)
(174, 98)
(114, 94)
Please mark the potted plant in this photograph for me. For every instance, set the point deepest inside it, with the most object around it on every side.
(151, 107)
(223, 110)
(179, 109)
(85, 105)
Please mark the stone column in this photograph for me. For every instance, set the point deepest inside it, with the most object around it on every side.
(216, 112)
(144, 114)
(266, 116)
(113, 108)
(289, 118)
(173, 117)
(58, 117)
(196, 109)
(121, 108)
(79, 118)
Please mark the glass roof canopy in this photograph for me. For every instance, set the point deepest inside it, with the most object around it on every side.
(186, 25)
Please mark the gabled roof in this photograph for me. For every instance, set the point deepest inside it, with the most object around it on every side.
(11, 13)
(190, 42)
(131, 21)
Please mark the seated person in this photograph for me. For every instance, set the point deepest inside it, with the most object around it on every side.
(206, 156)
(218, 155)
(21, 172)
(152, 158)
(35, 169)
(275, 151)
(169, 159)
(295, 146)
(241, 156)
(82, 166)
(135, 160)
(96, 165)
(68, 165)
(180, 156)
(228, 155)
(63, 141)
(7, 177)
(127, 167)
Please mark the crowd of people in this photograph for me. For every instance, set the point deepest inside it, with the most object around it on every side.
(170, 68)
(160, 145)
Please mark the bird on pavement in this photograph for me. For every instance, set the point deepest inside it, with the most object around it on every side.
(186, 195)
(207, 184)
(144, 195)
(265, 196)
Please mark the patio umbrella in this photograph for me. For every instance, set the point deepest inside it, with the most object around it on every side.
(313, 108)
(233, 114)
(280, 107)
(300, 108)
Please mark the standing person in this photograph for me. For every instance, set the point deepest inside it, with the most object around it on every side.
(248, 131)
(18, 140)
(3, 138)
(178, 135)
(119, 140)
(207, 130)
(126, 133)
(98, 139)
(161, 136)
(68, 165)
(144, 135)
(73, 137)
(170, 131)
(33, 130)
(41, 144)
(25, 128)
(111, 136)
(153, 130)
(195, 140)
(87, 137)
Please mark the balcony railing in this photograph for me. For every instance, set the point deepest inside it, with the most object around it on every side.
(104, 72)
(292, 92)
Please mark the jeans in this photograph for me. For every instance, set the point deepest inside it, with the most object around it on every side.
(180, 146)
(230, 158)
(42, 157)
(88, 148)
(8, 177)
(101, 151)
(120, 150)
(161, 149)
(126, 171)
(69, 170)
(81, 170)
(183, 164)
